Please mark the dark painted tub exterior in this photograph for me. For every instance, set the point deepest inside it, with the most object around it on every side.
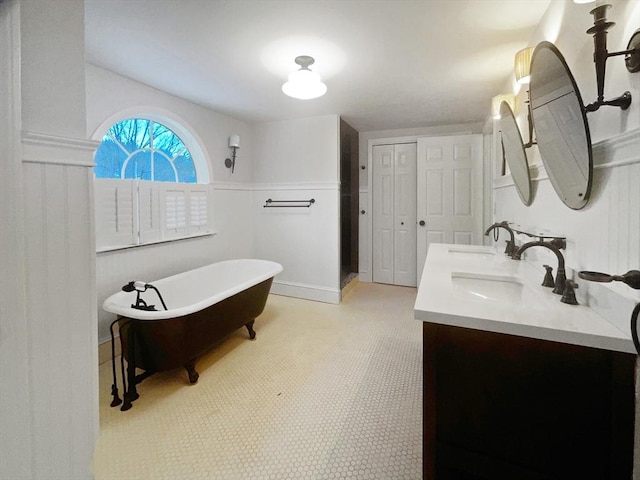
(158, 345)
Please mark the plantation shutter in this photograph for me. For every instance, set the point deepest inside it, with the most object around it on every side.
(134, 212)
(198, 212)
(115, 220)
(149, 211)
(175, 213)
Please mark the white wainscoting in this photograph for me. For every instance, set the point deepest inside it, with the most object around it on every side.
(605, 235)
(60, 304)
(306, 241)
(233, 239)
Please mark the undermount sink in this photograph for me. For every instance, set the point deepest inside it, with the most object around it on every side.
(499, 288)
(479, 252)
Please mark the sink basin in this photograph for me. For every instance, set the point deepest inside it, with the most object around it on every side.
(492, 288)
(479, 252)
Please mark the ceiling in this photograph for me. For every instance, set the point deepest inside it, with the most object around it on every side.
(387, 63)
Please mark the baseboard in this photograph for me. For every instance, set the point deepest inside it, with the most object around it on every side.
(350, 286)
(308, 292)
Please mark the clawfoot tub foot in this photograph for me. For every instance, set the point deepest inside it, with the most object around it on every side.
(252, 333)
(191, 371)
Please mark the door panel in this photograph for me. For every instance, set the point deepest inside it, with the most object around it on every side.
(462, 238)
(383, 222)
(394, 214)
(449, 185)
(434, 191)
(461, 189)
(405, 215)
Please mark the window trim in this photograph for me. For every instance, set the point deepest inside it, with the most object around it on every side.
(156, 242)
(202, 165)
(189, 137)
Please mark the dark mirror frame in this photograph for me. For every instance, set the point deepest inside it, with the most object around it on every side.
(514, 153)
(550, 166)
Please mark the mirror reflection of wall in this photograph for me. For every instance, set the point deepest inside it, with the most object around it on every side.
(514, 153)
(561, 126)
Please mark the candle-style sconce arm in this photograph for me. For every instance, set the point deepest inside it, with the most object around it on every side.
(600, 56)
(231, 162)
(531, 142)
(234, 144)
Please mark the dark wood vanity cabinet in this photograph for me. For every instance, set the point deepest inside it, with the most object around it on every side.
(499, 406)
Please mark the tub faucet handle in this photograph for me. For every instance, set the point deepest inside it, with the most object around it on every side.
(569, 295)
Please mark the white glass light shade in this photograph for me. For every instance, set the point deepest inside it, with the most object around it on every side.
(304, 84)
(583, 1)
(497, 100)
(522, 65)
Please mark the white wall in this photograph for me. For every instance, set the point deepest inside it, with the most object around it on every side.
(294, 160)
(279, 160)
(15, 415)
(109, 94)
(48, 341)
(109, 97)
(605, 235)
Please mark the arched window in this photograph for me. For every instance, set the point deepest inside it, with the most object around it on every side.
(142, 149)
(148, 187)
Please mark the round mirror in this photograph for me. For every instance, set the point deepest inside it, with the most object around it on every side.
(560, 121)
(513, 151)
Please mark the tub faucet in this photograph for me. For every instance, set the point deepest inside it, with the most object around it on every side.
(511, 243)
(561, 277)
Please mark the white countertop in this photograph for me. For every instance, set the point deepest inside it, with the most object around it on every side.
(524, 308)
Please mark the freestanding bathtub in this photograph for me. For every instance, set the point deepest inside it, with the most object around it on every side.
(204, 305)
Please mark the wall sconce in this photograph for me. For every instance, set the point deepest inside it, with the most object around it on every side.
(600, 55)
(510, 98)
(234, 143)
(303, 83)
(522, 71)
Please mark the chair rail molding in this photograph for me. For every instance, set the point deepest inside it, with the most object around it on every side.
(52, 149)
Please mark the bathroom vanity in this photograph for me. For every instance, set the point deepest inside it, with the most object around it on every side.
(516, 383)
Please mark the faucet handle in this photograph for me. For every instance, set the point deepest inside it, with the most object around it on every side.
(548, 277)
(569, 295)
(510, 248)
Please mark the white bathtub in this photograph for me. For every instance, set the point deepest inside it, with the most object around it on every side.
(204, 305)
(194, 290)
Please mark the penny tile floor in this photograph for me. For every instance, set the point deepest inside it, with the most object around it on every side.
(324, 392)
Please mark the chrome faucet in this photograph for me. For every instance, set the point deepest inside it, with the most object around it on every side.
(561, 276)
(511, 243)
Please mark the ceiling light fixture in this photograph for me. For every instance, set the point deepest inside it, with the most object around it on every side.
(303, 83)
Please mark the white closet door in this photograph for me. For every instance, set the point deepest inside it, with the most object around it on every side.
(405, 215)
(394, 214)
(383, 213)
(449, 187)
